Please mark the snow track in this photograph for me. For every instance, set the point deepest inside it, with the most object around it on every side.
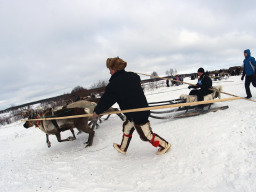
(211, 152)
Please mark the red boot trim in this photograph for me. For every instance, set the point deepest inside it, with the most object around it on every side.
(153, 142)
(127, 135)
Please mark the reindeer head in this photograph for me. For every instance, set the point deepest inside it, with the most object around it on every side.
(30, 115)
(28, 124)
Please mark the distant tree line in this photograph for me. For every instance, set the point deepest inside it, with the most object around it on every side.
(171, 72)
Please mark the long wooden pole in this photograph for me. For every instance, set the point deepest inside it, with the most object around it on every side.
(140, 109)
(194, 85)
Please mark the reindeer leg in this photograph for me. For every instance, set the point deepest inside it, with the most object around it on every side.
(82, 124)
(107, 117)
(121, 116)
(90, 139)
(91, 122)
(62, 140)
(118, 114)
(48, 141)
(91, 132)
(94, 123)
(73, 133)
(79, 132)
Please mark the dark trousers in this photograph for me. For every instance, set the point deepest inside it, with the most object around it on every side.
(248, 80)
(200, 93)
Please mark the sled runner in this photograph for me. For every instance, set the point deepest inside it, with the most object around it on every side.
(190, 111)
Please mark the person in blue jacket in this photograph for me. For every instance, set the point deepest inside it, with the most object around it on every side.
(249, 71)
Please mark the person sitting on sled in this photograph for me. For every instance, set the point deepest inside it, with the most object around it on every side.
(204, 84)
(125, 89)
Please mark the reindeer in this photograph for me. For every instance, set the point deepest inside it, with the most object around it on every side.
(55, 127)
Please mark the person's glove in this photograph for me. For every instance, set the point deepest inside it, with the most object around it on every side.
(242, 78)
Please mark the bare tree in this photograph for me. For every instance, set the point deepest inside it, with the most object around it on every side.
(100, 84)
(175, 72)
(171, 72)
(79, 91)
(154, 74)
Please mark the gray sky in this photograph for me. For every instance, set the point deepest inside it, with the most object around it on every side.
(48, 47)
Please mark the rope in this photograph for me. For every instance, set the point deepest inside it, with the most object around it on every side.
(140, 109)
(195, 85)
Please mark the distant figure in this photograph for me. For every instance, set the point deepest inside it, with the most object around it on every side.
(177, 82)
(249, 71)
(204, 83)
(167, 83)
(181, 79)
(174, 82)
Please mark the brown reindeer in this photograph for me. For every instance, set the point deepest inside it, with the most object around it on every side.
(55, 127)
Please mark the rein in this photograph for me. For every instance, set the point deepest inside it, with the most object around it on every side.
(141, 109)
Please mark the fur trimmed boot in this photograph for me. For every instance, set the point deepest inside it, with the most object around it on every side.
(163, 150)
(117, 147)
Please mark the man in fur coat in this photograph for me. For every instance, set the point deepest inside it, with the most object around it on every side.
(125, 89)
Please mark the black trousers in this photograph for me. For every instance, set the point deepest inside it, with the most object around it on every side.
(200, 93)
(248, 80)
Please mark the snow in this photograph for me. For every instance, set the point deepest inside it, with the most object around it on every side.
(210, 152)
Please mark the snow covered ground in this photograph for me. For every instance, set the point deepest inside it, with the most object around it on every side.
(210, 153)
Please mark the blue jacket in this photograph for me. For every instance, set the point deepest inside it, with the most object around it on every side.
(248, 62)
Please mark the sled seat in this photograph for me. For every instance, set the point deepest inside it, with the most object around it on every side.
(193, 98)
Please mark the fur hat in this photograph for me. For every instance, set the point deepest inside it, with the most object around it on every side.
(116, 63)
(200, 70)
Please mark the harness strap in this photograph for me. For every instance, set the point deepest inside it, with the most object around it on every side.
(38, 122)
(153, 142)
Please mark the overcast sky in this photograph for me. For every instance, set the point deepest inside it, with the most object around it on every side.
(48, 47)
